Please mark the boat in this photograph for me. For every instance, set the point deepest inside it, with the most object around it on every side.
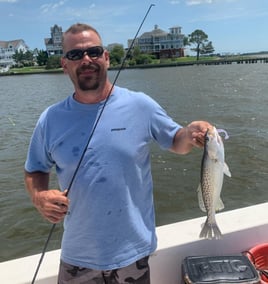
(242, 229)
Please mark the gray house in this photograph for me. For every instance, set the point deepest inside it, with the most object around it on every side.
(54, 43)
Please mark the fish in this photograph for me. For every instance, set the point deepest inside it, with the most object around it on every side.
(213, 168)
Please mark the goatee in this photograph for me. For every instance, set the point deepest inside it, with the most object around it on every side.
(89, 81)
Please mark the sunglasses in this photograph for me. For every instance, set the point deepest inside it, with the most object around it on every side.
(93, 52)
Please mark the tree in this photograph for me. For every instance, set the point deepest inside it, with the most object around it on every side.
(207, 48)
(137, 57)
(53, 62)
(136, 52)
(186, 41)
(42, 57)
(144, 58)
(200, 39)
(28, 56)
(117, 54)
(18, 56)
(23, 58)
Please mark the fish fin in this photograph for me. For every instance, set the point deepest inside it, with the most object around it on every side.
(226, 170)
(220, 205)
(200, 199)
(210, 231)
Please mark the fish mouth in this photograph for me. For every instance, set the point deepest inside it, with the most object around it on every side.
(212, 134)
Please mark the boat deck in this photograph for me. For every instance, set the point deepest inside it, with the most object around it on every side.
(241, 228)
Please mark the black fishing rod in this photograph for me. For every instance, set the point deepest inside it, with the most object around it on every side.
(89, 139)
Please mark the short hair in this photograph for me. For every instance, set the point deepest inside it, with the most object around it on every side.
(78, 28)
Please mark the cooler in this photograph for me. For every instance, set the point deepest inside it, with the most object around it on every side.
(219, 269)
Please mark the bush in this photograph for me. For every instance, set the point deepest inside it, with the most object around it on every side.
(53, 62)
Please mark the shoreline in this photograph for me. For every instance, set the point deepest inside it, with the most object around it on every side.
(221, 61)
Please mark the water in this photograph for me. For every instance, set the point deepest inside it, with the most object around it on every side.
(232, 97)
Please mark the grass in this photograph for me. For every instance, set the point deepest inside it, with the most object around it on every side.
(42, 69)
(164, 61)
(33, 69)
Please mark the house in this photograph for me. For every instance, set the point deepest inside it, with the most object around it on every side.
(54, 43)
(161, 43)
(8, 49)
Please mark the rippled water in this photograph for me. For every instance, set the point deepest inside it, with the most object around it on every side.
(233, 97)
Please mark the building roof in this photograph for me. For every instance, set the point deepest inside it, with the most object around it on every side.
(48, 41)
(155, 32)
(14, 43)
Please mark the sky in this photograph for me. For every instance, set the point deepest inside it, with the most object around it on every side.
(233, 26)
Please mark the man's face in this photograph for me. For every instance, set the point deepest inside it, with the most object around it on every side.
(87, 74)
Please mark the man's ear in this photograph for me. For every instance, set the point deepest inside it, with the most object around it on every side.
(107, 58)
(64, 65)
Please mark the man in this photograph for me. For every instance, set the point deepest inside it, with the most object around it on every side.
(109, 229)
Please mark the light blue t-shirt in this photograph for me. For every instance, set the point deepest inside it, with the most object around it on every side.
(111, 221)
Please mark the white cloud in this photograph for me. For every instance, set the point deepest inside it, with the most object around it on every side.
(174, 2)
(199, 2)
(8, 1)
(48, 8)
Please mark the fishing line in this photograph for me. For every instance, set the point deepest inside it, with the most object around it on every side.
(89, 139)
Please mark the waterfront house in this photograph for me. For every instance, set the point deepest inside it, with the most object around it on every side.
(8, 49)
(158, 42)
(161, 43)
(54, 43)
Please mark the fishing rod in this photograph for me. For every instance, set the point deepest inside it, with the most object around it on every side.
(89, 139)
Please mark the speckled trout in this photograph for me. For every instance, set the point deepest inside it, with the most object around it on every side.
(213, 168)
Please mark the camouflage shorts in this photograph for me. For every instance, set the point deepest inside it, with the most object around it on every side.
(138, 273)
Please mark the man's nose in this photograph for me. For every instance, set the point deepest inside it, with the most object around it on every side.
(86, 57)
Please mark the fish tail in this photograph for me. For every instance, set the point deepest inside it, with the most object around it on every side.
(210, 231)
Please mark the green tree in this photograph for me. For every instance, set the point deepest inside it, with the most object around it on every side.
(133, 54)
(23, 58)
(117, 54)
(28, 56)
(144, 58)
(207, 48)
(18, 57)
(186, 41)
(138, 57)
(136, 52)
(53, 62)
(200, 39)
(42, 58)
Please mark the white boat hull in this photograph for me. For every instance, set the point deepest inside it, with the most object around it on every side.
(241, 228)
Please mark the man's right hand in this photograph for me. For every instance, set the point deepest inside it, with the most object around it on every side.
(52, 204)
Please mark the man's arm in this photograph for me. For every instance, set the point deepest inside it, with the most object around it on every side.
(52, 204)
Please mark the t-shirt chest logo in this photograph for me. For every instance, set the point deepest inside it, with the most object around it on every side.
(118, 129)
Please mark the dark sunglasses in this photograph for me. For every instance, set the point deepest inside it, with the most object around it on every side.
(93, 52)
